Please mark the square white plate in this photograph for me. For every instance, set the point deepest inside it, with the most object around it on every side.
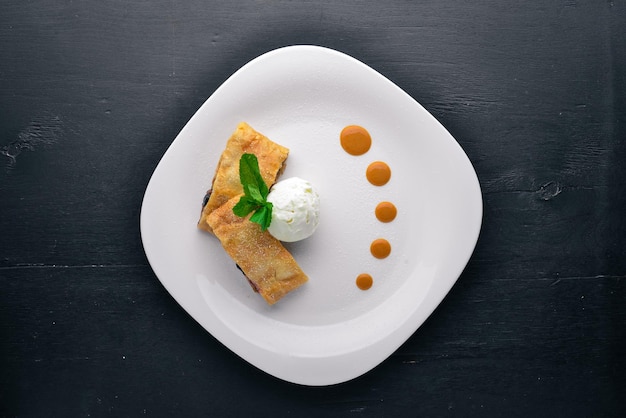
(328, 331)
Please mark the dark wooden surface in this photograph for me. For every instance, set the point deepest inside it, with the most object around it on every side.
(93, 92)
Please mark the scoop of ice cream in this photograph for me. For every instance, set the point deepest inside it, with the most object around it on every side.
(296, 208)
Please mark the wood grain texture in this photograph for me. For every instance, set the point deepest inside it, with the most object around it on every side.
(93, 93)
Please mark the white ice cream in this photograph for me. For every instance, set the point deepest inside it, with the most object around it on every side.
(296, 209)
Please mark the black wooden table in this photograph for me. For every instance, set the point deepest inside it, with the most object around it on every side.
(92, 93)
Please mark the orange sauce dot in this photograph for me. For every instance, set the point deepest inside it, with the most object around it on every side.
(364, 281)
(380, 248)
(355, 140)
(378, 173)
(386, 212)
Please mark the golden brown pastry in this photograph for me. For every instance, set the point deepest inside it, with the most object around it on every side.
(226, 184)
(270, 268)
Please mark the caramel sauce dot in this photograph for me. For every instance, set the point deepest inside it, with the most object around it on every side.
(380, 248)
(386, 212)
(364, 281)
(355, 140)
(378, 173)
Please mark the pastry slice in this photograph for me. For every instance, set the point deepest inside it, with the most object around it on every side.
(226, 182)
(269, 267)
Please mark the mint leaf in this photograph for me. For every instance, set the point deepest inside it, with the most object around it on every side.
(263, 216)
(244, 206)
(255, 193)
(250, 175)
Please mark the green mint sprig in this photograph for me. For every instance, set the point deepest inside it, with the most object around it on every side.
(255, 193)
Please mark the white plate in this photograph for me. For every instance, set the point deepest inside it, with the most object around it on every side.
(328, 331)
